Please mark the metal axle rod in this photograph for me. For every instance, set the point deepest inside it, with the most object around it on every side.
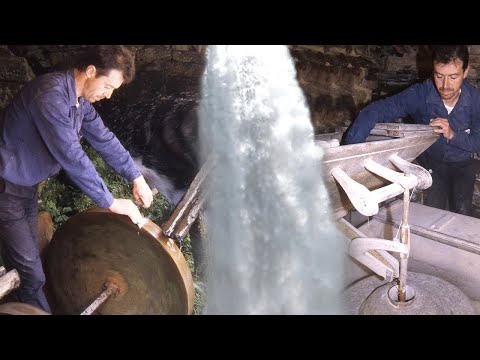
(110, 289)
(404, 239)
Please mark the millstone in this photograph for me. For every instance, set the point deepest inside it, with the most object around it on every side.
(426, 295)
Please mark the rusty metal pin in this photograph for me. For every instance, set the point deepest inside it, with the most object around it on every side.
(110, 289)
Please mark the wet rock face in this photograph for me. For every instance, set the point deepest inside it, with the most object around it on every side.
(334, 81)
(14, 73)
(160, 131)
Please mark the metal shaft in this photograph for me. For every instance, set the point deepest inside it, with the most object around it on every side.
(405, 239)
(110, 289)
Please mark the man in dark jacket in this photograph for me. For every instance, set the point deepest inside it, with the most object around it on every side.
(447, 102)
(40, 134)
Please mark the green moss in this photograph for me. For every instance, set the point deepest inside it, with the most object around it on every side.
(62, 199)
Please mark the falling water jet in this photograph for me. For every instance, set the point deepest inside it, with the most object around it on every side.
(272, 245)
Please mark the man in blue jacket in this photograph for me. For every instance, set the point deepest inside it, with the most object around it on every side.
(40, 134)
(447, 102)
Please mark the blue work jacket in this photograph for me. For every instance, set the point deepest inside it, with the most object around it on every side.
(423, 103)
(40, 133)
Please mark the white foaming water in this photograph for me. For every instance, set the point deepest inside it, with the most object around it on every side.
(272, 245)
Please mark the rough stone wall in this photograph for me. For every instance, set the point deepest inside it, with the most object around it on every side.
(170, 69)
(406, 64)
(337, 80)
(14, 73)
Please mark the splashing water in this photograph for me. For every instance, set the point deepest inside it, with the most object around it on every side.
(272, 245)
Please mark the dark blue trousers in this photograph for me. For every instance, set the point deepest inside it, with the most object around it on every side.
(19, 240)
(452, 187)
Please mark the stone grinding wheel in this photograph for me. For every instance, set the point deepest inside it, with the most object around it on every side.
(16, 308)
(97, 246)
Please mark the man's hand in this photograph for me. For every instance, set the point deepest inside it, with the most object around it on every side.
(444, 127)
(142, 191)
(127, 207)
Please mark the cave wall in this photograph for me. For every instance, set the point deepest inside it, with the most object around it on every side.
(337, 80)
(14, 73)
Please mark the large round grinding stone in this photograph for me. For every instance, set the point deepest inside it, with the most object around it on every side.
(426, 295)
(97, 246)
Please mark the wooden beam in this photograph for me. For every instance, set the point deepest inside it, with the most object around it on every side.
(9, 282)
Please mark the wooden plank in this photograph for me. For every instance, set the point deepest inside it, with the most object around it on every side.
(186, 211)
(405, 127)
(8, 282)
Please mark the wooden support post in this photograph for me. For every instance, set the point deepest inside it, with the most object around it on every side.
(185, 213)
(8, 282)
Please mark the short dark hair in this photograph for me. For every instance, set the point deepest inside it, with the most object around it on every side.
(107, 58)
(445, 54)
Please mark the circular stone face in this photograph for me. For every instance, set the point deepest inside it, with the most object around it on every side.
(97, 246)
(426, 295)
(16, 308)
